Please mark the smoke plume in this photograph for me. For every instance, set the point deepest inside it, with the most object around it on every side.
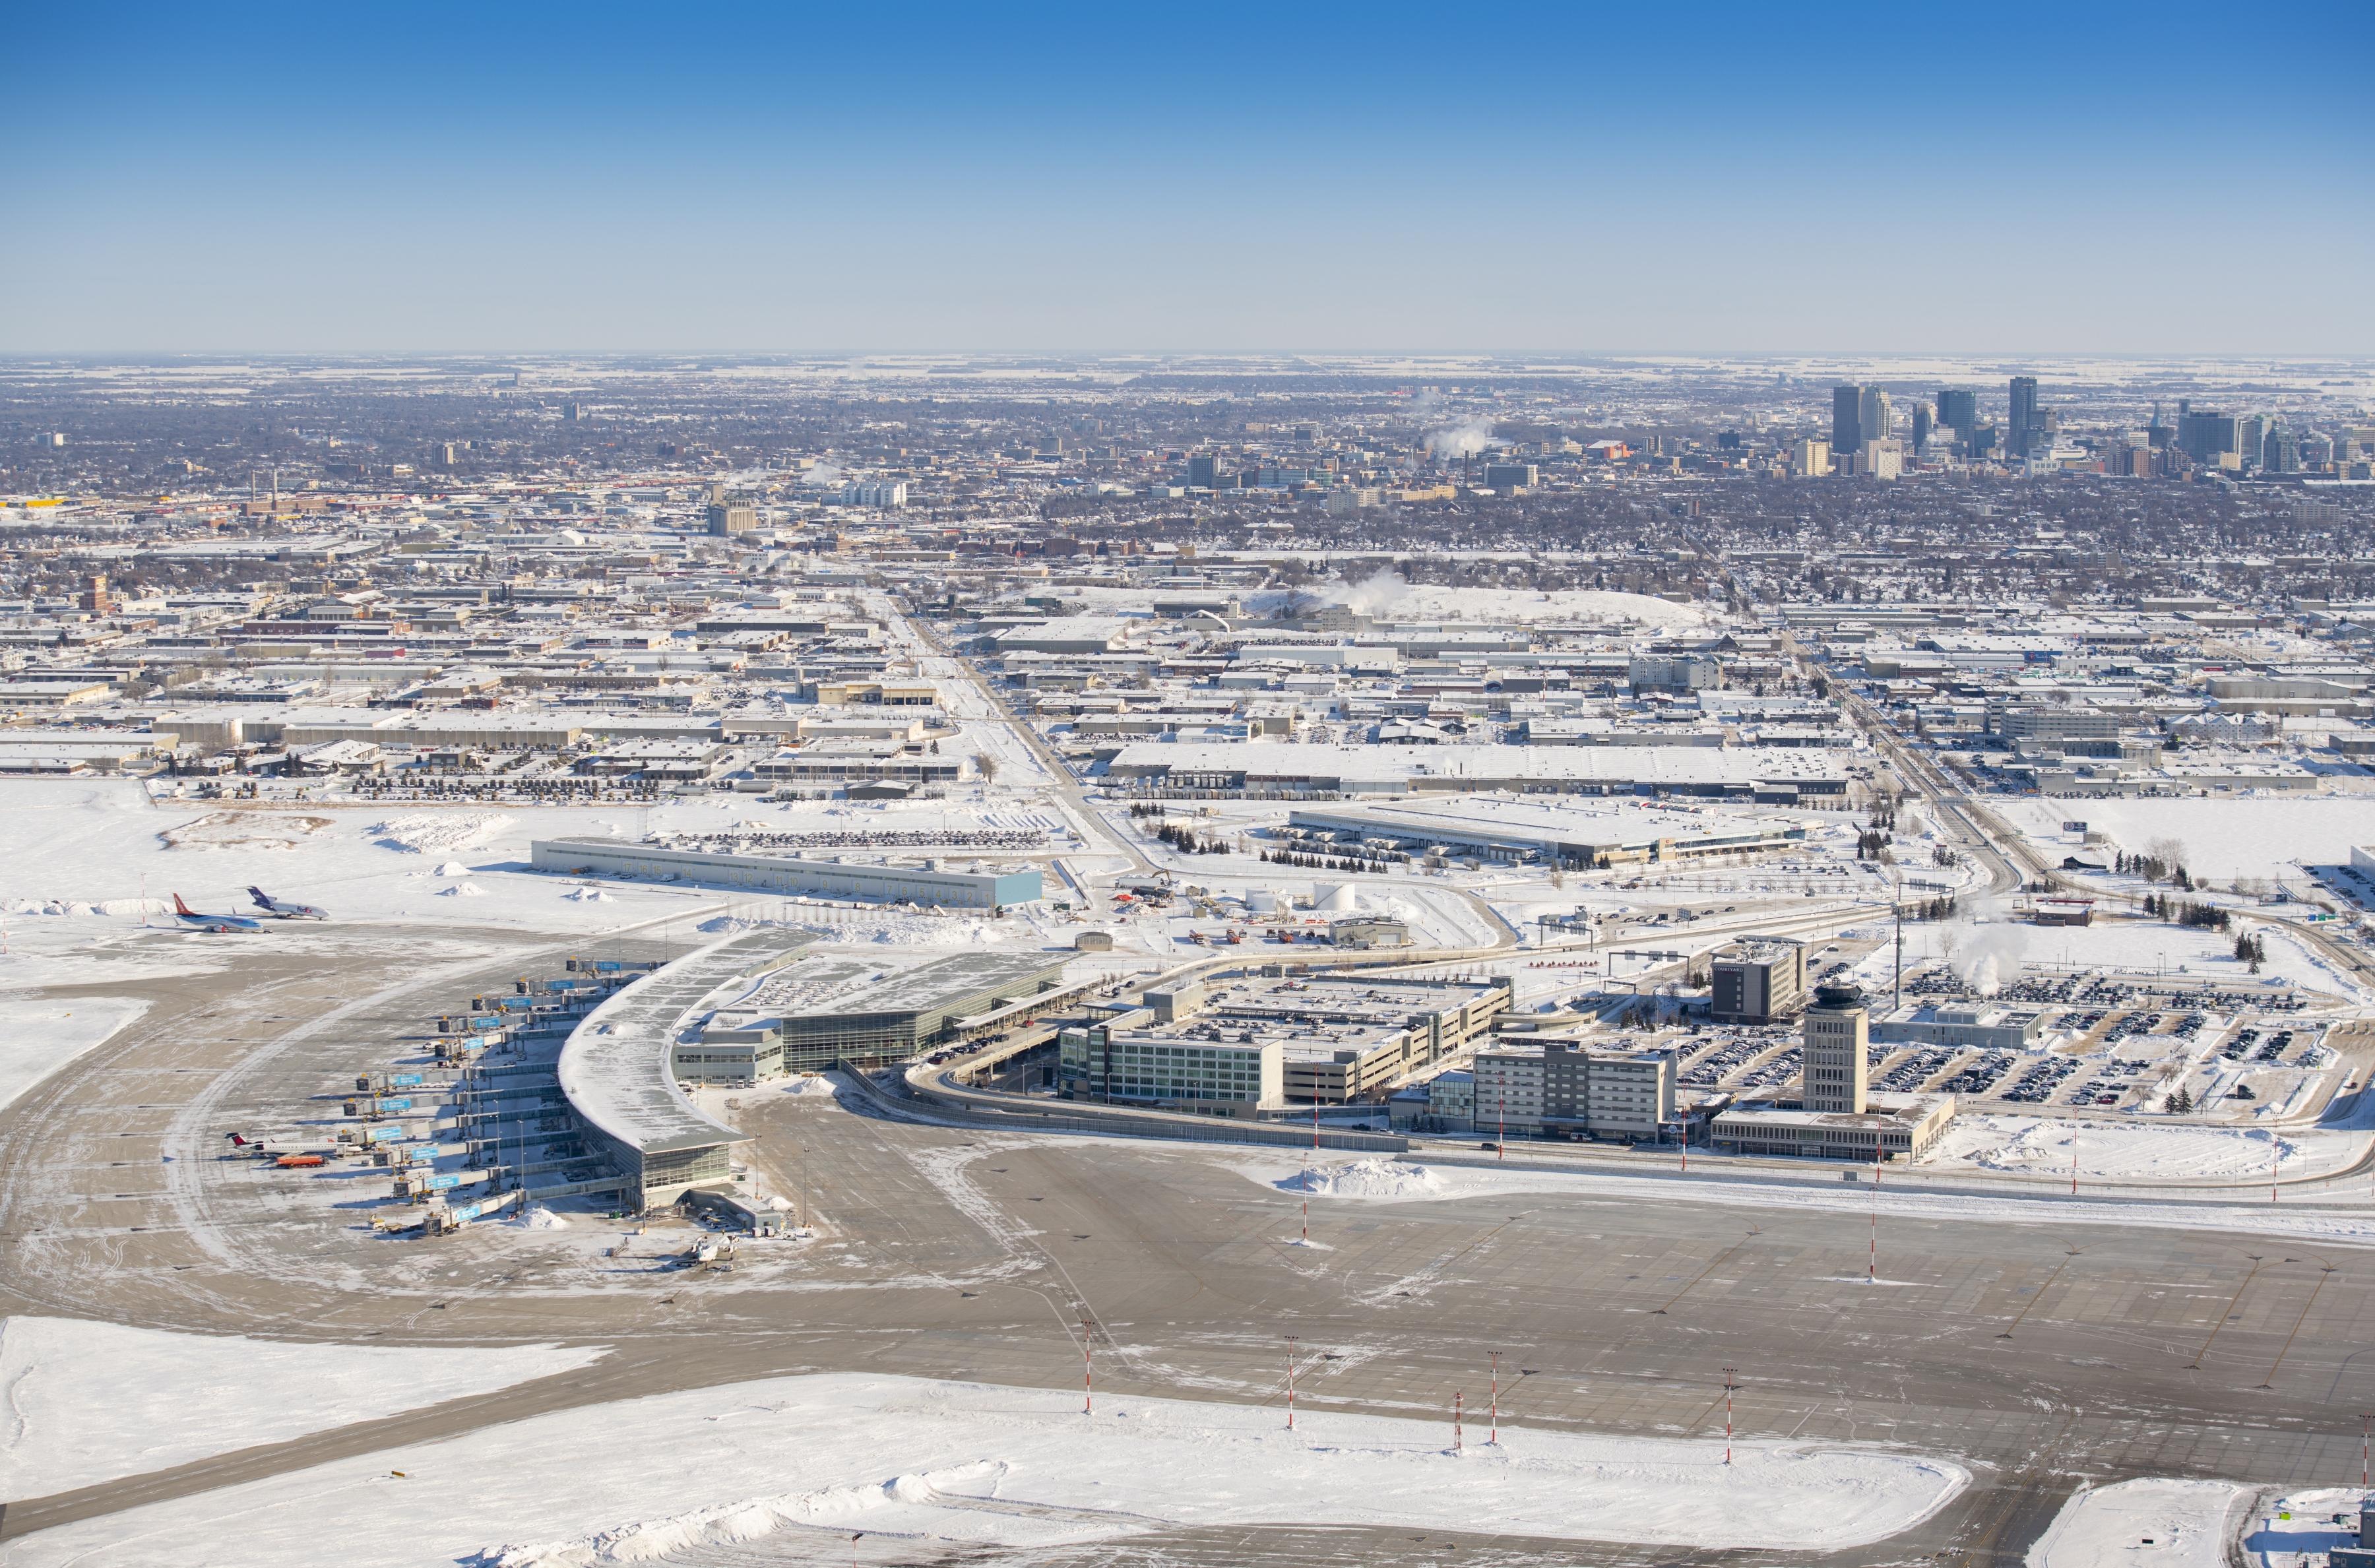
(1462, 440)
(1378, 592)
(1986, 958)
(822, 475)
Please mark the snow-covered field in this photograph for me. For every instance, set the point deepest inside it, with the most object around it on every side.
(905, 1457)
(39, 1037)
(2180, 1524)
(2263, 836)
(2044, 1146)
(87, 851)
(83, 1402)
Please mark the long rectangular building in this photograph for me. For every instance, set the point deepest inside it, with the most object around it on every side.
(1576, 834)
(1762, 773)
(833, 875)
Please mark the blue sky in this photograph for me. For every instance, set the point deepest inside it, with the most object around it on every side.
(1853, 178)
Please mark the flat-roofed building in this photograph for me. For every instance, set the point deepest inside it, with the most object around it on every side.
(1338, 1041)
(1893, 1126)
(1758, 981)
(885, 879)
(1973, 1025)
(1517, 831)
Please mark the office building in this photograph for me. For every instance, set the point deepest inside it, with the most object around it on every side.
(2281, 451)
(1875, 418)
(1677, 673)
(1809, 458)
(1511, 476)
(96, 600)
(1925, 419)
(1958, 407)
(1758, 981)
(2207, 435)
(2252, 438)
(1837, 1030)
(1262, 1043)
(1882, 459)
(1847, 419)
(729, 517)
(2024, 426)
(1203, 471)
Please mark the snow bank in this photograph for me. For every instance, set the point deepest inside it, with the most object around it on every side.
(1906, 1200)
(2184, 1521)
(88, 1402)
(1384, 1180)
(987, 1466)
(814, 1086)
(429, 832)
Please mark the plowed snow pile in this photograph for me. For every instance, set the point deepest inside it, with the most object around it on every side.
(430, 832)
(1368, 1178)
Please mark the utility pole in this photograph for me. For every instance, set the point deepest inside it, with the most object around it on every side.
(1897, 906)
(1495, 1439)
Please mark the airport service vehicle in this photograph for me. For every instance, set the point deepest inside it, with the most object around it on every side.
(284, 908)
(220, 924)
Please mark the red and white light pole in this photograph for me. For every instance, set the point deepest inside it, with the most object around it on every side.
(1290, 1383)
(1496, 1399)
(1728, 1372)
(1872, 1267)
(1087, 1367)
(1455, 1422)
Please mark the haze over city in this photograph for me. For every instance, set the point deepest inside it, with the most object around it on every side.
(1044, 788)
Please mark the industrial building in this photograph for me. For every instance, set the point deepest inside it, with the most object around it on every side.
(1253, 1044)
(1974, 1025)
(1524, 832)
(1758, 981)
(883, 878)
(1754, 774)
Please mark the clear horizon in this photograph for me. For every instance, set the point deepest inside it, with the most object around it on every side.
(1715, 180)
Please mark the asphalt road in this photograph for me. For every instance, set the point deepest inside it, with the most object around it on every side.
(2035, 1353)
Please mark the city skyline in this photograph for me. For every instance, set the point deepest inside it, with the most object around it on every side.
(1079, 181)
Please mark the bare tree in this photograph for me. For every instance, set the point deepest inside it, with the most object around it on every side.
(2169, 852)
(986, 766)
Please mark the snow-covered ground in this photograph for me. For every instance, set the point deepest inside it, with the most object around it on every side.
(2263, 836)
(86, 852)
(2152, 947)
(83, 1402)
(39, 1037)
(1901, 1195)
(2044, 1146)
(2180, 1524)
(904, 1457)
